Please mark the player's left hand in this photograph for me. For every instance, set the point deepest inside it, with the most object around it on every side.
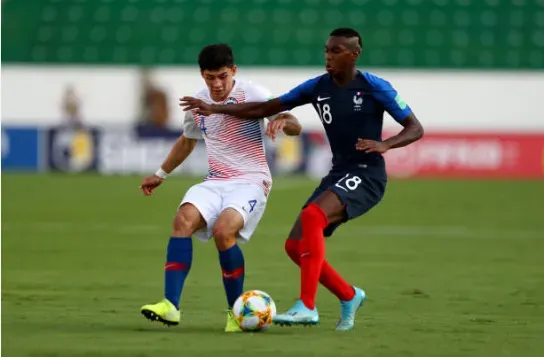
(190, 103)
(371, 146)
(274, 127)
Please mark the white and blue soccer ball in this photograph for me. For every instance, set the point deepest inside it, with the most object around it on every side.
(254, 310)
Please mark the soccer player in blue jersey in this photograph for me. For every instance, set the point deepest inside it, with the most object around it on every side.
(351, 105)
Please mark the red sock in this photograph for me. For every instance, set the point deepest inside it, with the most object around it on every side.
(329, 278)
(335, 283)
(312, 252)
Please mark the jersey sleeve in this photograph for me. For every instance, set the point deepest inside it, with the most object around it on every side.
(300, 95)
(190, 129)
(384, 93)
(257, 93)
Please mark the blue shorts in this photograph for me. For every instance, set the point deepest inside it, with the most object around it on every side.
(357, 190)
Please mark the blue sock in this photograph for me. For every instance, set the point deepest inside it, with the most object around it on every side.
(232, 266)
(179, 256)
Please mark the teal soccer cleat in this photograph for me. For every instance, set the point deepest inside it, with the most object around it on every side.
(298, 315)
(348, 310)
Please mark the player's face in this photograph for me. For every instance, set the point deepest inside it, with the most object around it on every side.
(340, 54)
(219, 82)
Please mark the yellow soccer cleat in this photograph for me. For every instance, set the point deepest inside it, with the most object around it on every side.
(232, 323)
(163, 311)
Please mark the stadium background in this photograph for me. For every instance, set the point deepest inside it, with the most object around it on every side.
(453, 263)
(469, 69)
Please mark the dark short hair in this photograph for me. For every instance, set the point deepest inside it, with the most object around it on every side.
(348, 33)
(213, 57)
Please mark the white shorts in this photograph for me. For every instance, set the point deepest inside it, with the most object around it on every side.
(213, 197)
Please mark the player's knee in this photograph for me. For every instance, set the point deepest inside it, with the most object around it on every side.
(186, 222)
(224, 236)
(312, 213)
(292, 250)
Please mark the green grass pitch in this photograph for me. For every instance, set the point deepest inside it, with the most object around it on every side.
(451, 268)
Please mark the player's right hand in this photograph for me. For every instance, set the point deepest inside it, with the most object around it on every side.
(190, 103)
(149, 183)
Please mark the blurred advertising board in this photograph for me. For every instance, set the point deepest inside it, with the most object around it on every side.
(451, 155)
(72, 149)
(125, 151)
(135, 150)
(21, 149)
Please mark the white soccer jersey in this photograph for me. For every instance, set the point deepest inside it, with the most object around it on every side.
(235, 146)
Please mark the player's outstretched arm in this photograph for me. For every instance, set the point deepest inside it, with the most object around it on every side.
(181, 149)
(251, 110)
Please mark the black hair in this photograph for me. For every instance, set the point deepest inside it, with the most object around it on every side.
(347, 33)
(213, 57)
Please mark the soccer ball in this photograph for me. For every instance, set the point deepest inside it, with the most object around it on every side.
(254, 310)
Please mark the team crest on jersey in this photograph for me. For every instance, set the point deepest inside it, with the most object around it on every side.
(358, 101)
(231, 100)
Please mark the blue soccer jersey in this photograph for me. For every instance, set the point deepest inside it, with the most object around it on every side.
(350, 112)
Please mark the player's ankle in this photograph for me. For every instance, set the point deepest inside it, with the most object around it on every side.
(172, 302)
(308, 304)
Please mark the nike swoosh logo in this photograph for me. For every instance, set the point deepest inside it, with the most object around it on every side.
(319, 99)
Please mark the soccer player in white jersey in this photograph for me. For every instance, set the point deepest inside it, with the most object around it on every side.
(230, 202)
